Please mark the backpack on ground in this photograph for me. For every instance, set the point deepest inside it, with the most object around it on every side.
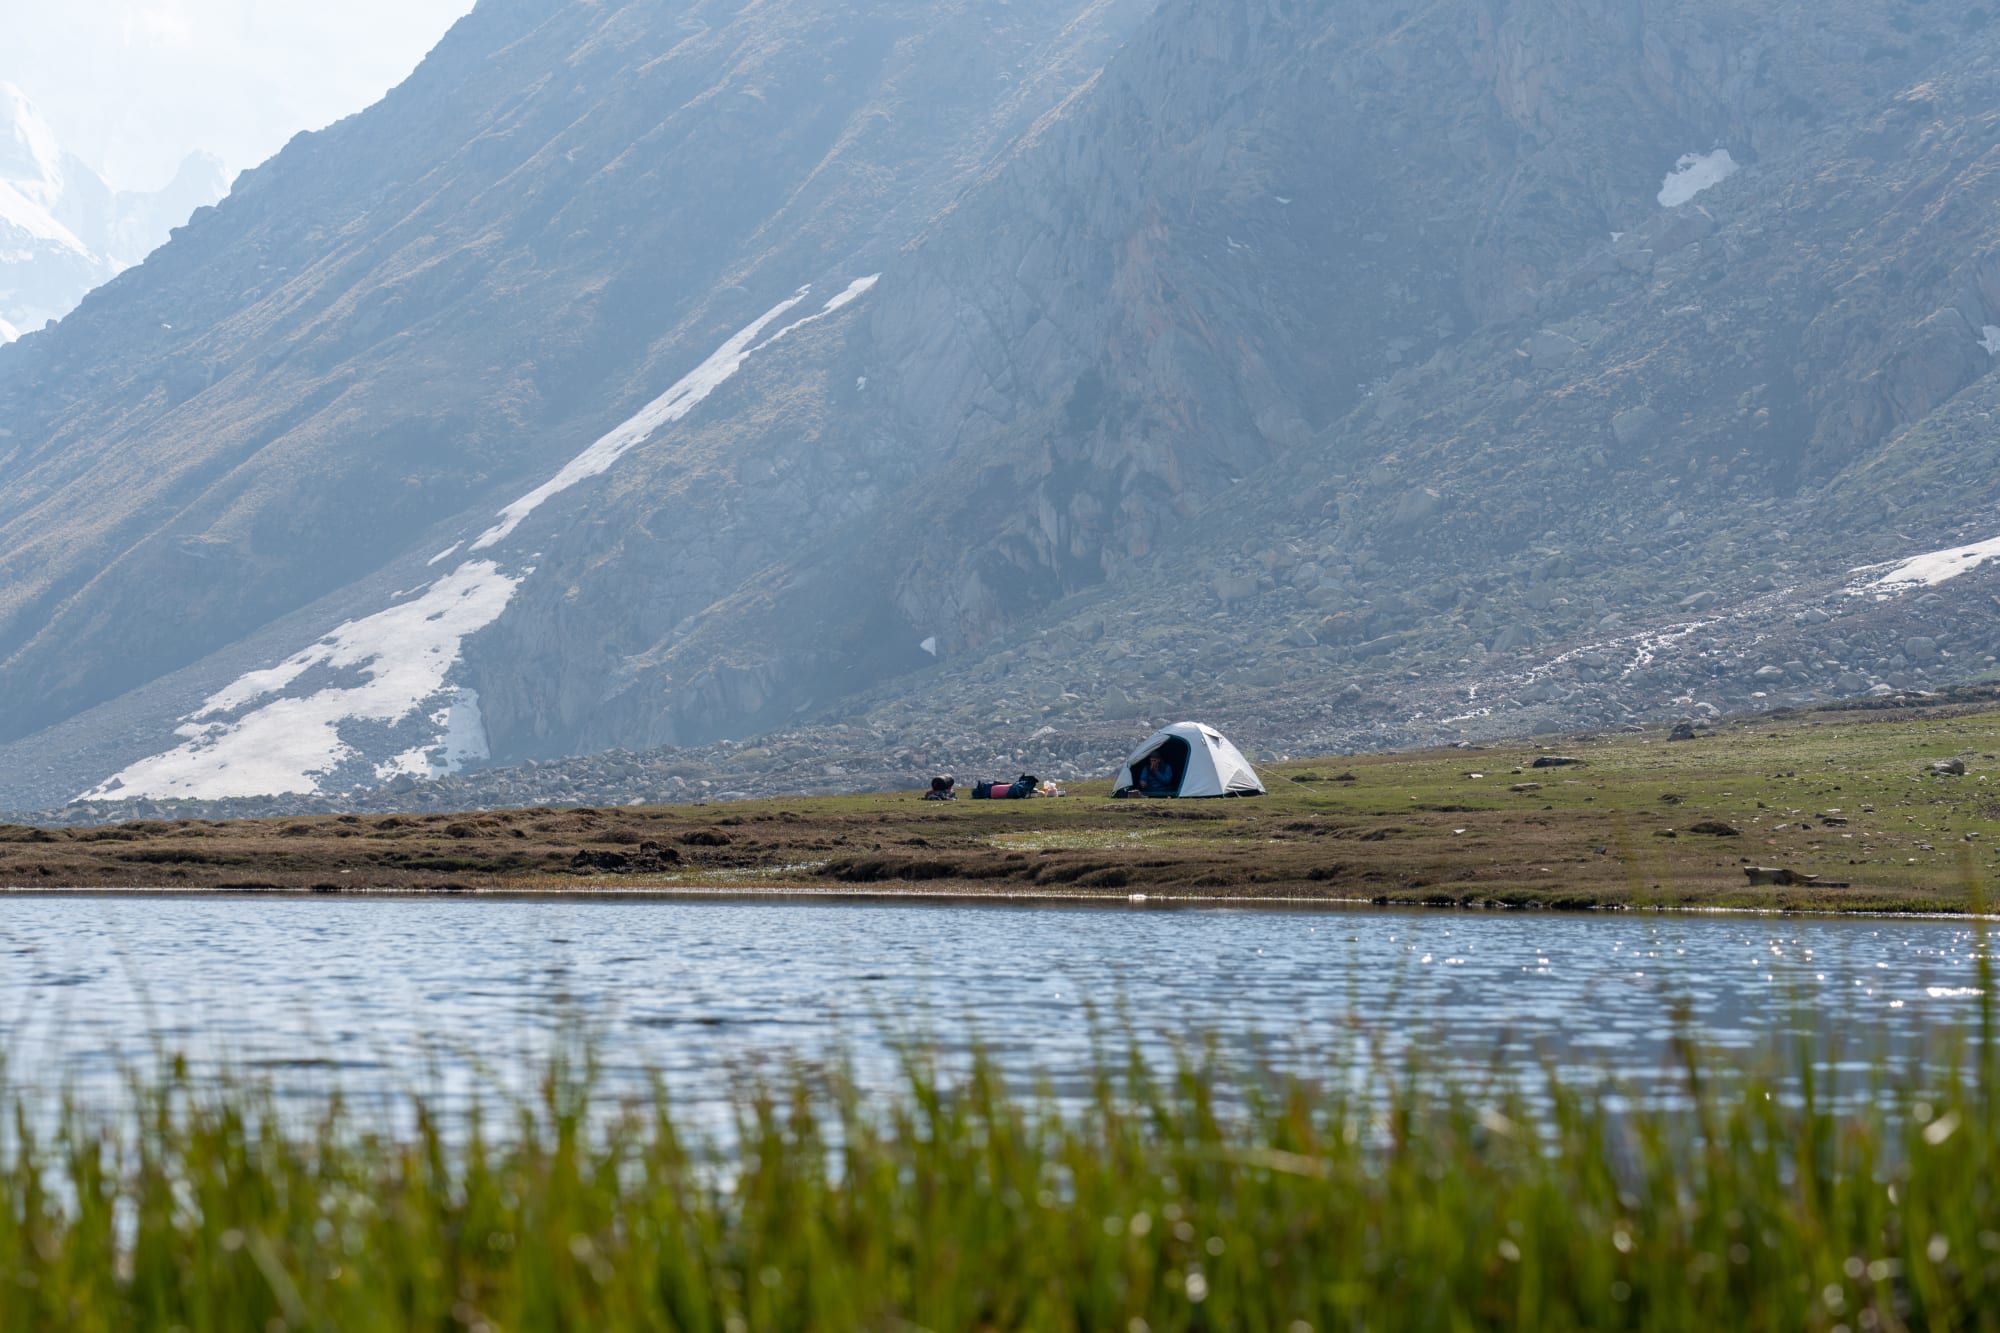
(1020, 789)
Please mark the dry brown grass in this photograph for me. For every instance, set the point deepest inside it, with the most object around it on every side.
(1637, 823)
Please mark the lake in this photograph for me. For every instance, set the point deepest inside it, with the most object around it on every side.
(455, 996)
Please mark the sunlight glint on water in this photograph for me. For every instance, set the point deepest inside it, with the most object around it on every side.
(449, 996)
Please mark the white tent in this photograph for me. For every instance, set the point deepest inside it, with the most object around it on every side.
(1201, 757)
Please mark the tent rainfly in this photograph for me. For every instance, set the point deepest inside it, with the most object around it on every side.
(1201, 758)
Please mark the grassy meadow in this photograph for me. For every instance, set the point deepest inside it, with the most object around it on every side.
(1637, 820)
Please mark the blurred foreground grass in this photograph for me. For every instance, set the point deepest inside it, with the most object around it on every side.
(1180, 1199)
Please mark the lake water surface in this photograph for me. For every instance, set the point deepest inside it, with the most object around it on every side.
(389, 996)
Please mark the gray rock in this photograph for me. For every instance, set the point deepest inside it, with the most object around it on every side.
(1918, 648)
(1952, 768)
(1231, 588)
(1415, 506)
(1551, 350)
(1636, 425)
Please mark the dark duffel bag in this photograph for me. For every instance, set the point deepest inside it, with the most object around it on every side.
(1019, 789)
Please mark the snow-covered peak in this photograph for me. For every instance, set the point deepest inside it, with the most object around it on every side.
(31, 160)
(63, 229)
(30, 217)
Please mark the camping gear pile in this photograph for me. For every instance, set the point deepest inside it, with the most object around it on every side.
(1186, 760)
(1020, 789)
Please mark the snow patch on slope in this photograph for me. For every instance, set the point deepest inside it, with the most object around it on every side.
(8, 333)
(461, 740)
(1927, 570)
(1694, 173)
(253, 738)
(287, 744)
(1990, 338)
(669, 407)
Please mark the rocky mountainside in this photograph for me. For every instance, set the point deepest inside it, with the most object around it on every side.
(63, 229)
(1353, 375)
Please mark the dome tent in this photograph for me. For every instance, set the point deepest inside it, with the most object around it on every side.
(1201, 758)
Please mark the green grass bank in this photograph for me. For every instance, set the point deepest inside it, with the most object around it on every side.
(1173, 1200)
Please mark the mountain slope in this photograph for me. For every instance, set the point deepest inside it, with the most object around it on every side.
(1364, 374)
(418, 313)
(1329, 337)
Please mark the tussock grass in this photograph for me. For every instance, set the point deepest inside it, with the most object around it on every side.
(1162, 1199)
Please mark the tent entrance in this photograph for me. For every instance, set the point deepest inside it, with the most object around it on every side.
(1200, 761)
(1176, 752)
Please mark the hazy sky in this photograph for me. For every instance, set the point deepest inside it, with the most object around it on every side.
(133, 86)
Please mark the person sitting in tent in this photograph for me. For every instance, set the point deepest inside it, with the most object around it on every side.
(1186, 760)
(1157, 777)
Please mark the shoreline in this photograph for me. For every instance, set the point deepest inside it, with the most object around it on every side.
(1822, 814)
(746, 894)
